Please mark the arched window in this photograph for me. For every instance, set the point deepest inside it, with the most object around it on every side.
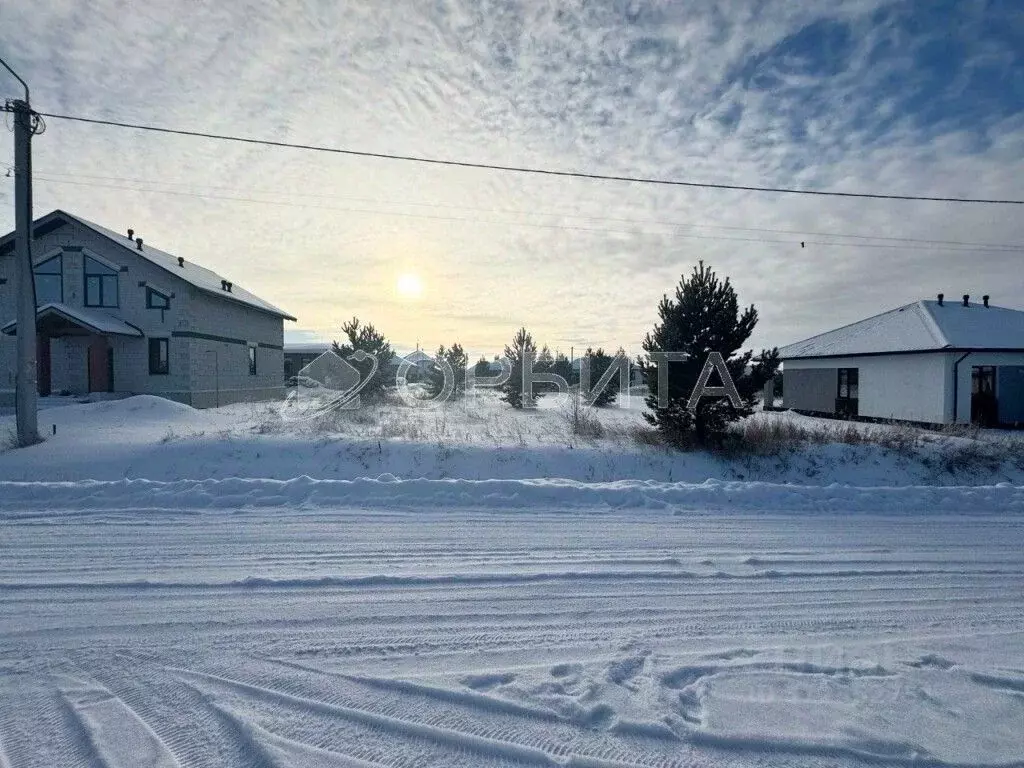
(49, 276)
(100, 284)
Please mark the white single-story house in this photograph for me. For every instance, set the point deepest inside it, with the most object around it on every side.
(115, 314)
(930, 362)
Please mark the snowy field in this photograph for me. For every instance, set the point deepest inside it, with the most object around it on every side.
(253, 586)
(475, 637)
(478, 438)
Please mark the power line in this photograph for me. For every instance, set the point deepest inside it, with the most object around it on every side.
(975, 246)
(525, 169)
(539, 225)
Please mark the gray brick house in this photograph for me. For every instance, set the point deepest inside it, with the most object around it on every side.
(117, 315)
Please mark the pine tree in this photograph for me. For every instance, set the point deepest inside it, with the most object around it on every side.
(563, 367)
(522, 350)
(599, 362)
(456, 360)
(482, 368)
(703, 317)
(367, 339)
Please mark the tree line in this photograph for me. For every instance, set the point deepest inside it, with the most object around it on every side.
(701, 317)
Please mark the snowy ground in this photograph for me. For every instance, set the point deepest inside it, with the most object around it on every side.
(478, 438)
(248, 586)
(474, 637)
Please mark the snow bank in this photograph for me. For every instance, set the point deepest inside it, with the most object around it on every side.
(529, 494)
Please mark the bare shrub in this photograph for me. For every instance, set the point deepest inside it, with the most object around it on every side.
(970, 457)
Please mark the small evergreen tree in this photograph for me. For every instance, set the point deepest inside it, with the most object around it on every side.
(367, 339)
(703, 317)
(598, 363)
(456, 360)
(482, 368)
(519, 353)
(563, 367)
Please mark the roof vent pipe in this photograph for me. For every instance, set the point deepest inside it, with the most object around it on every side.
(984, 300)
(967, 299)
(138, 243)
(941, 297)
(131, 233)
(181, 261)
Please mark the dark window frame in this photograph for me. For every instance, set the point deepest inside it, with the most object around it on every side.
(848, 392)
(59, 258)
(252, 360)
(101, 272)
(983, 373)
(156, 367)
(150, 293)
(848, 384)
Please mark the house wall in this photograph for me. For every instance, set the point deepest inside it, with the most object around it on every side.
(203, 371)
(8, 310)
(902, 387)
(999, 359)
(1010, 391)
(219, 337)
(68, 364)
(810, 389)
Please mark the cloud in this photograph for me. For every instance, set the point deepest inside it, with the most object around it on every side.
(856, 95)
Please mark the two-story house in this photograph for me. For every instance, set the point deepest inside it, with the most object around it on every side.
(115, 314)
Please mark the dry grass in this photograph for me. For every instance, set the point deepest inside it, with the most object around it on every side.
(772, 437)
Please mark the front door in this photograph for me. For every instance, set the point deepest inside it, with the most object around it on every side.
(100, 359)
(43, 365)
(984, 406)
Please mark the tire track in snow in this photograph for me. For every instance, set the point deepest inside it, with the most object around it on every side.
(181, 717)
(403, 714)
(117, 733)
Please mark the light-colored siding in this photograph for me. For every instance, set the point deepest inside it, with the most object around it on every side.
(903, 387)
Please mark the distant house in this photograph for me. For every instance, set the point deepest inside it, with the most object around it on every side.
(330, 371)
(298, 356)
(419, 363)
(932, 362)
(115, 314)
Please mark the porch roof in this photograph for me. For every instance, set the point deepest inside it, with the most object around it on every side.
(96, 322)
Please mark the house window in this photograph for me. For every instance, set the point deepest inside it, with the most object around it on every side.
(848, 383)
(49, 277)
(159, 362)
(100, 284)
(252, 361)
(157, 300)
(848, 392)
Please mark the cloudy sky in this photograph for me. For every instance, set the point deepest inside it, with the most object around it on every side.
(922, 98)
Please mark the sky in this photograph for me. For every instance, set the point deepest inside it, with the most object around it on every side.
(920, 98)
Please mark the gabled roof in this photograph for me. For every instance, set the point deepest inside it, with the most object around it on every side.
(204, 279)
(924, 326)
(97, 322)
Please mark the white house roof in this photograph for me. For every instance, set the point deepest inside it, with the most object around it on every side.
(97, 322)
(307, 348)
(923, 326)
(416, 357)
(204, 279)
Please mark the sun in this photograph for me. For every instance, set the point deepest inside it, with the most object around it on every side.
(409, 286)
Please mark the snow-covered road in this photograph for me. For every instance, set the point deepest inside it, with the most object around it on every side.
(340, 637)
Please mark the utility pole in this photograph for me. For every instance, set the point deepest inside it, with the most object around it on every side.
(26, 392)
